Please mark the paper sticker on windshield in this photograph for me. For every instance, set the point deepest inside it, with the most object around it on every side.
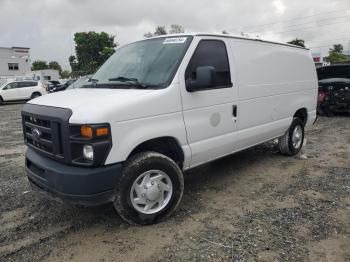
(175, 40)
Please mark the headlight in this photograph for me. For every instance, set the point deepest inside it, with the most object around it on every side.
(90, 143)
(88, 152)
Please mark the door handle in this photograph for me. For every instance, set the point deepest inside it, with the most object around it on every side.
(234, 110)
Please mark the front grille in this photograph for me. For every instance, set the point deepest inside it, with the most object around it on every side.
(43, 134)
(45, 129)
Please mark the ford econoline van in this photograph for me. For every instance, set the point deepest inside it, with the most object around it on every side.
(159, 107)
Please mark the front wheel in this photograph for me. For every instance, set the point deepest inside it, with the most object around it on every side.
(292, 141)
(150, 188)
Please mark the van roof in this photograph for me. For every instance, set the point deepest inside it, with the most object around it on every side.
(231, 36)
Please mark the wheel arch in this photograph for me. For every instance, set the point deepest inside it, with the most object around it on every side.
(36, 92)
(302, 114)
(165, 145)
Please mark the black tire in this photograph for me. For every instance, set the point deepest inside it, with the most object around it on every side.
(285, 142)
(133, 168)
(1, 101)
(320, 112)
(35, 95)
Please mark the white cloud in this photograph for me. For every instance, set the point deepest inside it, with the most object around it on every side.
(279, 6)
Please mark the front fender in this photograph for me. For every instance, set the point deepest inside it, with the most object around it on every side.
(127, 135)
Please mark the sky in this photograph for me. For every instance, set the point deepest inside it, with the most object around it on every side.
(48, 26)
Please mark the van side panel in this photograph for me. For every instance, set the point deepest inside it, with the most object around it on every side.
(274, 81)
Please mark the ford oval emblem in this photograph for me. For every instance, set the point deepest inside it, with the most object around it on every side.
(36, 134)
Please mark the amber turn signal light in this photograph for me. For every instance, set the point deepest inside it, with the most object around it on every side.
(86, 131)
(102, 131)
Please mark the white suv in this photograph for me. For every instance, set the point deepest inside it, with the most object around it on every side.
(21, 90)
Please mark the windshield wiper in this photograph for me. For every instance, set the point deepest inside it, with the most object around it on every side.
(125, 82)
(92, 82)
(123, 79)
(132, 81)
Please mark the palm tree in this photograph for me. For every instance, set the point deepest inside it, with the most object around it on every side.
(337, 48)
(298, 42)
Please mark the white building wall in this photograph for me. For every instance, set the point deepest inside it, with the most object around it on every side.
(14, 55)
(44, 75)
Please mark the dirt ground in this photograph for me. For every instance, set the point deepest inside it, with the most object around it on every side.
(252, 206)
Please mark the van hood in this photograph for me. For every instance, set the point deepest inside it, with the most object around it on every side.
(76, 98)
(92, 105)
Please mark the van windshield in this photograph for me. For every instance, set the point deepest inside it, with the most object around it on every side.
(150, 63)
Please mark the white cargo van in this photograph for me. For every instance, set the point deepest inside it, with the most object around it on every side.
(159, 107)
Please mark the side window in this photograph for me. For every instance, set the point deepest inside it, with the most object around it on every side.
(7, 87)
(211, 53)
(32, 83)
(12, 85)
(22, 84)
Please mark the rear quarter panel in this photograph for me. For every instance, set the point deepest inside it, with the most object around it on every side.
(274, 81)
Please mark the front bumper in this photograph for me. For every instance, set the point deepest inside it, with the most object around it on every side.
(76, 185)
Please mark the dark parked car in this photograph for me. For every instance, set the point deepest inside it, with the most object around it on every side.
(334, 89)
(84, 80)
(62, 87)
(52, 84)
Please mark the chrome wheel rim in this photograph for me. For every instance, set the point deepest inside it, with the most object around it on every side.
(297, 136)
(151, 192)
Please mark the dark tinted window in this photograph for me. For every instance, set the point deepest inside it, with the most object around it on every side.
(26, 84)
(22, 84)
(211, 53)
(32, 83)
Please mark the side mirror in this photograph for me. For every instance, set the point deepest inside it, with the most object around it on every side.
(205, 78)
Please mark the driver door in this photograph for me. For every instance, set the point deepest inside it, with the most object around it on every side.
(210, 114)
(11, 92)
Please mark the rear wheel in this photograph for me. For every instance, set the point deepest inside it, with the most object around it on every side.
(150, 188)
(292, 141)
(1, 101)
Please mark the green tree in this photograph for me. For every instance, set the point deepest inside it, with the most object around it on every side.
(39, 65)
(176, 29)
(55, 65)
(161, 30)
(335, 54)
(92, 50)
(65, 74)
(298, 42)
(338, 48)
